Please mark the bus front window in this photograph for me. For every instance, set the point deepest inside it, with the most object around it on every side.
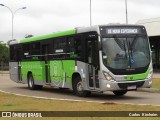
(126, 52)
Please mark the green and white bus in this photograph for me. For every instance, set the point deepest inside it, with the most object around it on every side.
(99, 58)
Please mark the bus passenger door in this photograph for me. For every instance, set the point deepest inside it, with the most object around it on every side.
(45, 52)
(93, 61)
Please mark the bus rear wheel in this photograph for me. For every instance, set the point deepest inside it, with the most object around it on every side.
(120, 92)
(78, 88)
(31, 84)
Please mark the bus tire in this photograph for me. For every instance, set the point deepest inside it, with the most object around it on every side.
(78, 89)
(31, 84)
(120, 92)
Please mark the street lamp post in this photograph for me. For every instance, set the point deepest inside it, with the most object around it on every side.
(90, 12)
(13, 13)
(126, 11)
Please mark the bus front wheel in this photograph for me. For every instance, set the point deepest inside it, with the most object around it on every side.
(78, 88)
(120, 92)
(31, 84)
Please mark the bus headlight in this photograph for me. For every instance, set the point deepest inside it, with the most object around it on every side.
(107, 76)
(150, 74)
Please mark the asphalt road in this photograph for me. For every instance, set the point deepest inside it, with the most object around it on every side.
(132, 97)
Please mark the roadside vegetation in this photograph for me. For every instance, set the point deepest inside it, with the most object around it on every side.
(4, 56)
(10, 102)
(4, 53)
(156, 83)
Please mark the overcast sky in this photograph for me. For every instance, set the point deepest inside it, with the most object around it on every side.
(47, 16)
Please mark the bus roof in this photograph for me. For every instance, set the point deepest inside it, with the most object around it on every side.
(57, 34)
(73, 31)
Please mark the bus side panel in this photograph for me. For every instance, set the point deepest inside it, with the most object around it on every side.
(13, 71)
(56, 72)
(69, 69)
(61, 72)
(37, 70)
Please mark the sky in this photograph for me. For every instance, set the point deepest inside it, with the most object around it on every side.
(47, 16)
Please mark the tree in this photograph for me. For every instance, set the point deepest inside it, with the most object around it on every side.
(4, 54)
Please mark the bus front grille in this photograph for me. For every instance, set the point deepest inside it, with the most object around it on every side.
(126, 85)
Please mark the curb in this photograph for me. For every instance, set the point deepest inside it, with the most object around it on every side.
(4, 72)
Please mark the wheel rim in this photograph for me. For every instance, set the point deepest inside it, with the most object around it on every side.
(79, 87)
(30, 82)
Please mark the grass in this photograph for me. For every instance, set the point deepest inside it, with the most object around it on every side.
(156, 83)
(18, 103)
(12, 102)
(6, 72)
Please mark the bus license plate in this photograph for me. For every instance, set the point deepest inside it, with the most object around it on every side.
(132, 87)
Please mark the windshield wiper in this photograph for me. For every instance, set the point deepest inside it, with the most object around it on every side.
(128, 46)
(118, 41)
(131, 46)
(134, 41)
(131, 49)
(125, 49)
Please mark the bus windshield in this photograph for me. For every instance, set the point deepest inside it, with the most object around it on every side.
(128, 52)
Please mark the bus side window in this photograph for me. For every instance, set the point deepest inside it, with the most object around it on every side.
(36, 48)
(74, 47)
(78, 45)
(26, 51)
(60, 45)
(35, 51)
(13, 54)
(71, 46)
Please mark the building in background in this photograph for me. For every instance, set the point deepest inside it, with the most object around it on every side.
(153, 29)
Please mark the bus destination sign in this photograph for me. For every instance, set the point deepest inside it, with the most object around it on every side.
(122, 31)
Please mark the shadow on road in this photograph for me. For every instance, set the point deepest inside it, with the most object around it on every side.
(55, 92)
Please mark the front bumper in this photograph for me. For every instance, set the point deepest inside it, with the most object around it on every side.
(124, 85)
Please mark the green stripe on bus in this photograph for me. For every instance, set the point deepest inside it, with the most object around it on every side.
(138, 76)
(58, 34)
